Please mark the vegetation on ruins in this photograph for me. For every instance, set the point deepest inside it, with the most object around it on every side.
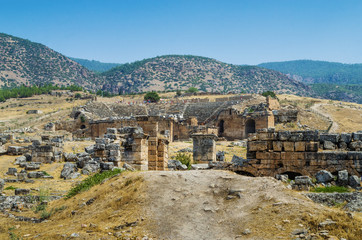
(152, 97)
(184, 158)
(330, 189)
(24, 91)
(92, 181)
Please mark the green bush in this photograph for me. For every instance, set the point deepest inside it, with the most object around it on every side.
(10, 188)
(91, 181)
(269, 93)
(330, 189)
(152, 97)
(184, 158)
(192, 90)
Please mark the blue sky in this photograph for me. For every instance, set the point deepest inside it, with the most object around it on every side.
(238, 32)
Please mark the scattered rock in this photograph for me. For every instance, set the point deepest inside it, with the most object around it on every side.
(324, 176)
(342, 179)
(69, 171)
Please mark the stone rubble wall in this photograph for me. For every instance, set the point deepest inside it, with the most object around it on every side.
(303, 152)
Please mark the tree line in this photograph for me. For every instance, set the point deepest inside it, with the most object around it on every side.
(29, 91)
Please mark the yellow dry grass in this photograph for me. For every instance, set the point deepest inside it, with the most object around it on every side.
(116, 202)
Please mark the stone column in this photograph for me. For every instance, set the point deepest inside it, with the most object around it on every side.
(204, 147)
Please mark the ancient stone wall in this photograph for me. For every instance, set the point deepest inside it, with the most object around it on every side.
(157, 154)
(302, 152)
(285, 115)
(48, 150)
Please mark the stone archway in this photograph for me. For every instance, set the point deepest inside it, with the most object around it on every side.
(249, 127)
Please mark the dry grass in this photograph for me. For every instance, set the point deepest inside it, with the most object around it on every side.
(116, 202)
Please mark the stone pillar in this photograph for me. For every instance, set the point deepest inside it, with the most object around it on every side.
(204, 147)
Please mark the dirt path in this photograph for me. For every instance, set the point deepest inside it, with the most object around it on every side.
(196, 205)
(316, 108)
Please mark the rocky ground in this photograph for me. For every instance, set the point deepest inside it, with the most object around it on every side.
(188, 205)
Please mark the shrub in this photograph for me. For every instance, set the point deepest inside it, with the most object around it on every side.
(10, 188)
(269, 93)
(152, 97)
(77, 95)
(91, 181)
(184, 158)
(192, 90)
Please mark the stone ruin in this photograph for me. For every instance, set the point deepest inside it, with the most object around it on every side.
(48, 150)
(126, 147)
(204, 147)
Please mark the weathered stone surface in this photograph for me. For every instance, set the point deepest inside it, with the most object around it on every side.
(334, 138)
(328, 145)
(357, 136)
(12, 171)
(69, 170)
(37, 174)
(342, 179)
(354, 199)
(204, 147)
(176, 165)
(91, 167)
(303, 180)
(324, 176)
(22, 191)
(202, 166)
(238, 161)
(70, 157)
(346, 137)
(220, 156)
(128, 167)
(2, 184)
(105, 166)
(354, 181)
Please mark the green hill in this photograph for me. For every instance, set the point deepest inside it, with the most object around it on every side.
(309, 71)
(95, 66)
(173, 72)
(29, 63)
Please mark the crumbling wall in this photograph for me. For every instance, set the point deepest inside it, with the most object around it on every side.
(301, 152)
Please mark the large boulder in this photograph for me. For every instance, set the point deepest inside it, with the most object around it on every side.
(354, 181)
(70, 157)
(303, 180)
(176, 165)
(69, 171)
(220, 156)
(324, 176)
(342, 179)
(91, 167)
(239, 161)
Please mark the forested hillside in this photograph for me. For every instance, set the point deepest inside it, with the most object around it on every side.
(95, 66)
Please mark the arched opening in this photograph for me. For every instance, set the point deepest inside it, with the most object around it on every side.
(249, 127)
(292, 175)
(221, 127)
(244, 173)
(175, 137)
(82, 126)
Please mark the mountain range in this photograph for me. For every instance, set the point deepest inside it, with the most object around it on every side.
(26, 62)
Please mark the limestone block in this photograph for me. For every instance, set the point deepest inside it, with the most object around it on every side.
(275, 155)
(334, 138)
(356, 146)
(311, 155)
(328, 145)
(288, 146)
(346, 137)
(277, 146)
(257, 146)
(283, 135)
(310, 135)
(296, 136)
(357, 136)
(311, 146)
(299, 146)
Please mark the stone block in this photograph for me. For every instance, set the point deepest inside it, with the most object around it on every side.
(311, 146)
(303, 180)
(334, 138)
(277, 146)
(328, 145)
(283, 135)
(262, 155)
(311, 136)
(255, 146)
(275, 155)
(356, 146)
(324, 176)
(299, 146)
(311, 155)
(22, 191)
(354, 181)
(296, 136)
(346, 137)
(342, 179)
(288, 146)
(357, 136)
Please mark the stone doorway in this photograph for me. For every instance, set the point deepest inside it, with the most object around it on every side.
(249, 127)
(221, 127)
